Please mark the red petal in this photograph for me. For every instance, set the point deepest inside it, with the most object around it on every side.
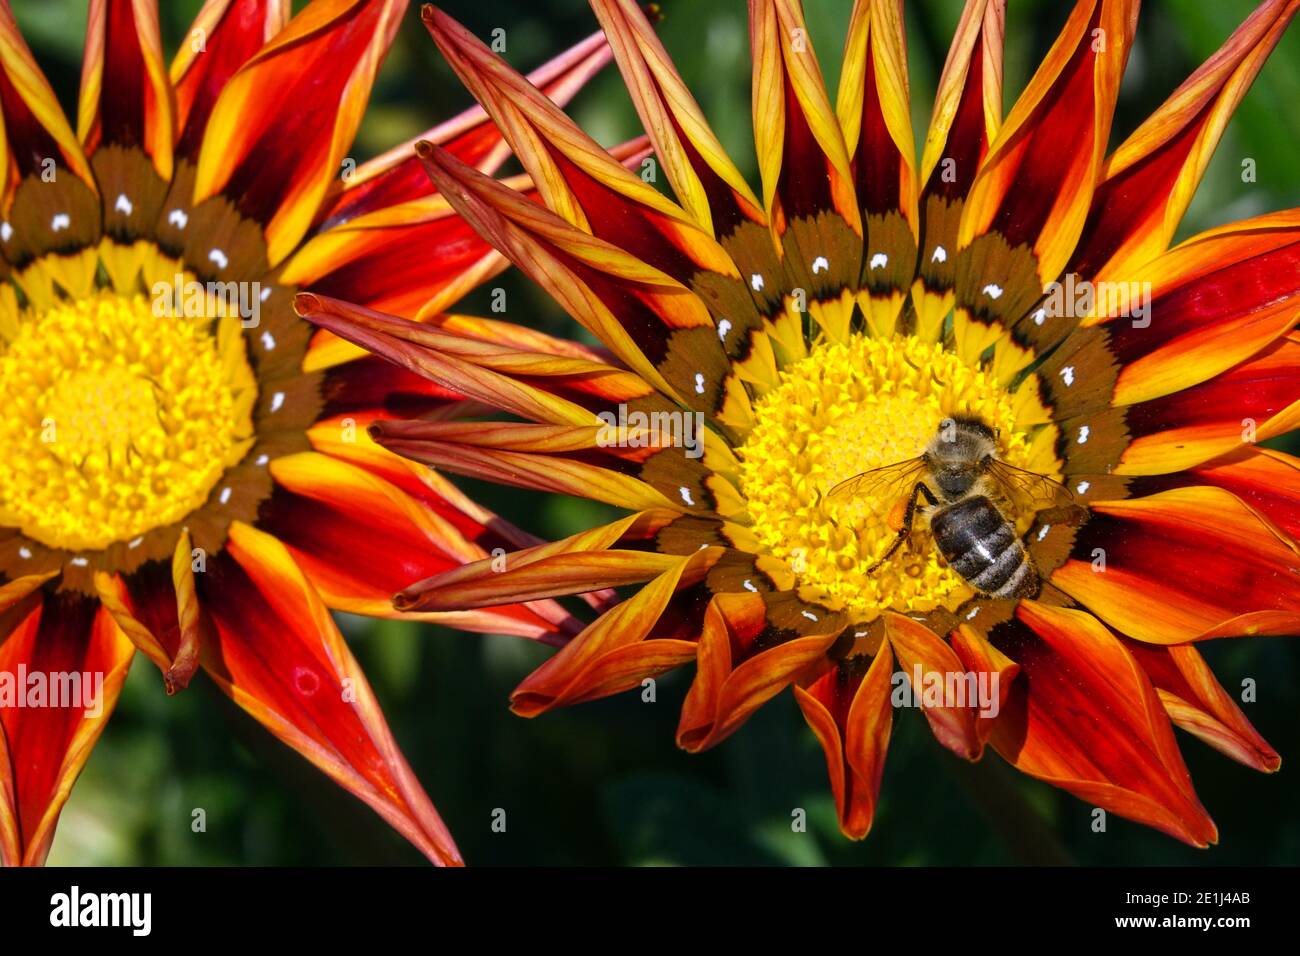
(849, 710)
(48, 745)
(280, 657)
(1196, 701)
(1184, 565)
(224, 36)
(1084, 717)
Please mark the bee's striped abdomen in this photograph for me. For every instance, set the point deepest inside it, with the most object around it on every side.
(981, 545)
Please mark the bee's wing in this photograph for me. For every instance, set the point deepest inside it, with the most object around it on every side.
(1029, 491)
(885, 482)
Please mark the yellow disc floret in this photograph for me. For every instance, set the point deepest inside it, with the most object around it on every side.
(846, 408)
(115, 420)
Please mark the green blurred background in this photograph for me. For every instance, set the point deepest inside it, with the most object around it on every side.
(603, 783)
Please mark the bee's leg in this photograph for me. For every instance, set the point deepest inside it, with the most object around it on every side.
(909, 516)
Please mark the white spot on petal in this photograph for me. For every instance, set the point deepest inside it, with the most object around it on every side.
(123, 205)
(24, 553)
(262, 460)
(940, 254)
(723, 328)
(268, 341)
(178, 218)
(60, 221)
(277, 401)
(749, 586)
(820, 264)
(1040, 317)
(1083, 434)
(1082, 487)
(1042, 532)
(879, 261)
(219, 257)
(809, 614)
(80, 562)
(225, 496)
(1067, 375)
(973, 611)
(686, 495)
(699, 383)
(6, 231)
(993, 290)
(135, 543)
(756, 282)
(266, 294)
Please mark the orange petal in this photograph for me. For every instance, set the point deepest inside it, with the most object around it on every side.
(1084, 717)
(1149, 180)
(224, 36)
(615, 652)
(587, 561)
(1267, 481)
(1216, 299)
(739, 669)
(321, 65)
(1256, 401)
(704, 179)
(280, 657)
(1029, 190)
(967, 112)
(34, 124)
(326, 508)
(73, 650)
(875, 115)
(980, 657)
(397, 177)
(1195, 701)
(849, 710)
(1184, 565)
(922, 652)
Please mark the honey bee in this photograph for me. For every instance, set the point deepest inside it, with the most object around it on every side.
(971, 499)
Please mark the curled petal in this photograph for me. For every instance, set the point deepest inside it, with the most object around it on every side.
(615, 652)
(849, 710)
(743, 663)
(921, 651)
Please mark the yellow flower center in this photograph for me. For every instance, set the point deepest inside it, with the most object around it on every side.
(116, 421)
(847, 408)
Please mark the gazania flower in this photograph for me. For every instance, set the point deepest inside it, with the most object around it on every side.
(829, 324)
(178, 472)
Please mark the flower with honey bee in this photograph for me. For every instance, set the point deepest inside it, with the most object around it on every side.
(181, 472)
(1017, 278)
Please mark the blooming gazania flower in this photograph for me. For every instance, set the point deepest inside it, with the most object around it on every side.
(829, 325)
(178, 473)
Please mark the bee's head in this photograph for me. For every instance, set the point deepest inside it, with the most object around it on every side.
(959, 454)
